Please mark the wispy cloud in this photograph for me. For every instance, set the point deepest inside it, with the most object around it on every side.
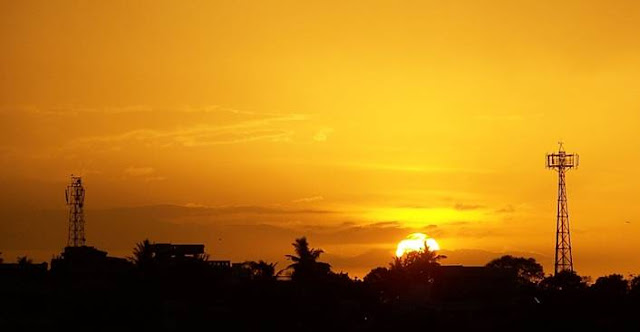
(308, 199)
(148, 174)
(322, 134)
(139, 171)
(509, 117)
(248, 127)
(75, 110)
(412, 168)
(507, 209)
(200, 209)
(467, 207)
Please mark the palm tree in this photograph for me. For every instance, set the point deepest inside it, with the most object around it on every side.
(261, 270)
(305, 264)
(143, 255)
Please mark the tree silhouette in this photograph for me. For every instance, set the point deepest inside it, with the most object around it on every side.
(634, 287)
(305, 264)
(143, 255)
(377, 276)
(261, 270)
(612, 286)
(381, 280)
(564, 281)
(411, 275)
(417, 264)
(421, 257)
(396, 264)
(1, 260)
(528, 271)
(24, 260)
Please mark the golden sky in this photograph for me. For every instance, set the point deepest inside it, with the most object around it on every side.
(243, 124)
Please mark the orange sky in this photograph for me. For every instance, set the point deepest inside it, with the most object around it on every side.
(243, 124)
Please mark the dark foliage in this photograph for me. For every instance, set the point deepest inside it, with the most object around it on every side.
(566, 281)
(260, 270)
(611, 287)
(151, 293)
(24, 260)
(528, 271)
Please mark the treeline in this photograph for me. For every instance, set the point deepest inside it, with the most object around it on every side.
(153, 292)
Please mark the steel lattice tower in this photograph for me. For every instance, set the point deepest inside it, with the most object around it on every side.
(562, 162)
(75, 199)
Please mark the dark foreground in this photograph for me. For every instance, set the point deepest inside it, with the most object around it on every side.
(413, 293)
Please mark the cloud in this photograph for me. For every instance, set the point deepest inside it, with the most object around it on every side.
(229, 232)
(139, 171)
(507, 209)
(509, 117)
(359, 265)
(323, 134)
(93, 134)
(467, 207)
(76, 110)
(155, 178)
(188, 137)
(192, 210)
(308, 199)
(412, 168)
(364, 234)
(240, 128)
(148, 174)
(458, 223)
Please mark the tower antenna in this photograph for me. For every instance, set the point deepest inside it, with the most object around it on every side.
(562, 162)
(74, 195)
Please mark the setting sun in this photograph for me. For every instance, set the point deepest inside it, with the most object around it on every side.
(416, 242)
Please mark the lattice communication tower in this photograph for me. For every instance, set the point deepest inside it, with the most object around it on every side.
(74, 195)
(562, 162)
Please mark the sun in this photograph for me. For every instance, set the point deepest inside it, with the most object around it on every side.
(416, 242)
